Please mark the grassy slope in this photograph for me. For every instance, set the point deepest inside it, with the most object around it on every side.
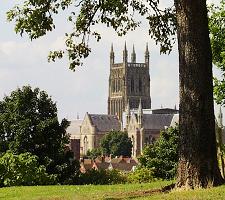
(85, 192)
(217, 193)
(113, 192)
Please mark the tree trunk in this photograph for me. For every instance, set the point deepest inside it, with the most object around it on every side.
(198, 166)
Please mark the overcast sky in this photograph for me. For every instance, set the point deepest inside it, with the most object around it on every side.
(86, 90)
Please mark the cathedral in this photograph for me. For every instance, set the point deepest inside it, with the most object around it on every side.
(129, 108)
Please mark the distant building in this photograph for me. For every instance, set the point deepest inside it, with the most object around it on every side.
(94, 127)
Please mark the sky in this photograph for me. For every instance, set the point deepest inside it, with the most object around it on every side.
(23, 62)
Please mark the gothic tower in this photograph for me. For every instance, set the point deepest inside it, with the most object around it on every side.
(128, 82)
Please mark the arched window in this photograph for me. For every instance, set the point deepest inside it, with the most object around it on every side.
(85, 145)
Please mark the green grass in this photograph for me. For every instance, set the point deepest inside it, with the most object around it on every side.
(84, 192)
(217, 193)
(108, 192)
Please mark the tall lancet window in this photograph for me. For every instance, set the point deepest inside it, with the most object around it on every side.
(140, 85)
(132, 85)
(113, 85)
(133, 147)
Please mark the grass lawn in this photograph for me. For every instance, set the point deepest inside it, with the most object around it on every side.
(108, 192)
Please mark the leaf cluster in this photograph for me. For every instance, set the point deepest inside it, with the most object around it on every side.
(94, 153)
(36, 18)
(141, 175)
(23, 169)
(217, 37)
(116, 143)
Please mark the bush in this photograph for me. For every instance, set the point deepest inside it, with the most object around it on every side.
(162, 156)
(102, 177)
(23, 169)
(141, 175)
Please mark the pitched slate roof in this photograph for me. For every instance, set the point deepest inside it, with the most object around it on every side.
(127, 167)
(105, 123)
(103, 165)
(74, 128)
(157, 121)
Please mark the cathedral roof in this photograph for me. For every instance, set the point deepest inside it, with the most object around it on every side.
(157, 121)
(105, 123)
(74, 129)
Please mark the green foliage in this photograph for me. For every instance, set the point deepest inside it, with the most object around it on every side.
(102, 177)
(23, 169)
(36, 18)
(162, 156)
(29, 123)
(94, 153)
(217, 37)
(141, 175)
(116, 143)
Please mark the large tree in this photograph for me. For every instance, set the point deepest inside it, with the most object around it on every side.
(198, 165)
(29, 123)
(198, 159)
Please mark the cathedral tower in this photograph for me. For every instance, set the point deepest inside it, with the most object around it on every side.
(128, 82)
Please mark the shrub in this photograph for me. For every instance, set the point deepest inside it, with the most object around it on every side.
(23, 169)
(141, 175)
(102, 177)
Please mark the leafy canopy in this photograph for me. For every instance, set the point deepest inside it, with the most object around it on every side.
(29, 123)
(116, 143)
(217, 36)
(36, 18)
(162, 156)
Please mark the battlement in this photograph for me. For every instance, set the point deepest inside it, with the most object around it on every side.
(139, 65)
(117, 65)
(129, 65)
